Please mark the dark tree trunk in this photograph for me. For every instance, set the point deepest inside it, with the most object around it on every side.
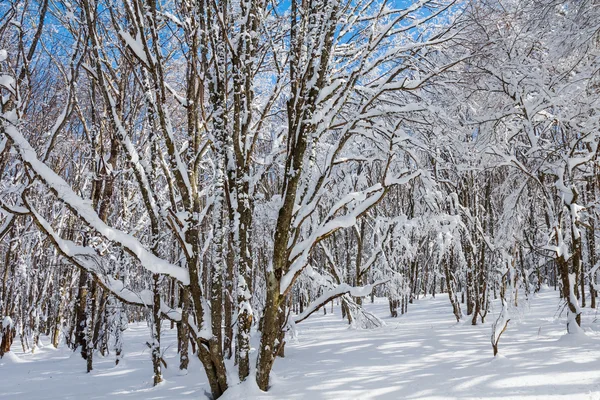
(80, 315)
(449, 287)
(183, 329)
(8, 335)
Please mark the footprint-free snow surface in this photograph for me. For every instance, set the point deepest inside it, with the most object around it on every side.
(424, 354)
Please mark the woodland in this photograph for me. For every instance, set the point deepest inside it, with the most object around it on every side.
(225, 169)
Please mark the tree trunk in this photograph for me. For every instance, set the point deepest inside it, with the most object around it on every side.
(8, 335)
(449, 287)
(155, 347)
(80, 315)
(89, 325)
(183, 329)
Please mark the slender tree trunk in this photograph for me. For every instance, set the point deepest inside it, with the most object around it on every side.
(228, 303)
(80, 315)
(89, 331)
(183, 329)
(449, 286)
(156, 328)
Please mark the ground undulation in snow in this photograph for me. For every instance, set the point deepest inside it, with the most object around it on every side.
(424, 354)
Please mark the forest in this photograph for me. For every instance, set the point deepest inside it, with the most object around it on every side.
(221, 172)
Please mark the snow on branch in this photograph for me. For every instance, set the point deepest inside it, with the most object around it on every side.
(88, 260)
(338, 291)
(362, 202)
(299, 254)
(85, 212)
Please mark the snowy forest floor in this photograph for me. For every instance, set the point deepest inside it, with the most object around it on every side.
(424, 354)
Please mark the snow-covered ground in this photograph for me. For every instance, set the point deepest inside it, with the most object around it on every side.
(422, 355)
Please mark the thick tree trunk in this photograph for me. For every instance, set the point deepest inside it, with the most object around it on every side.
(569, 297)
(270, 330)
(244, 325)
(393, 307)
(8, 332)
(245, 281)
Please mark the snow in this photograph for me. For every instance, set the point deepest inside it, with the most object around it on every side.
(86, 258)
(182, 100)
(301, 251)
(401, 180)
(7, 322)
(86, 212)
(424, 354)
(136, 45)
(7, 82)
(333, 293)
